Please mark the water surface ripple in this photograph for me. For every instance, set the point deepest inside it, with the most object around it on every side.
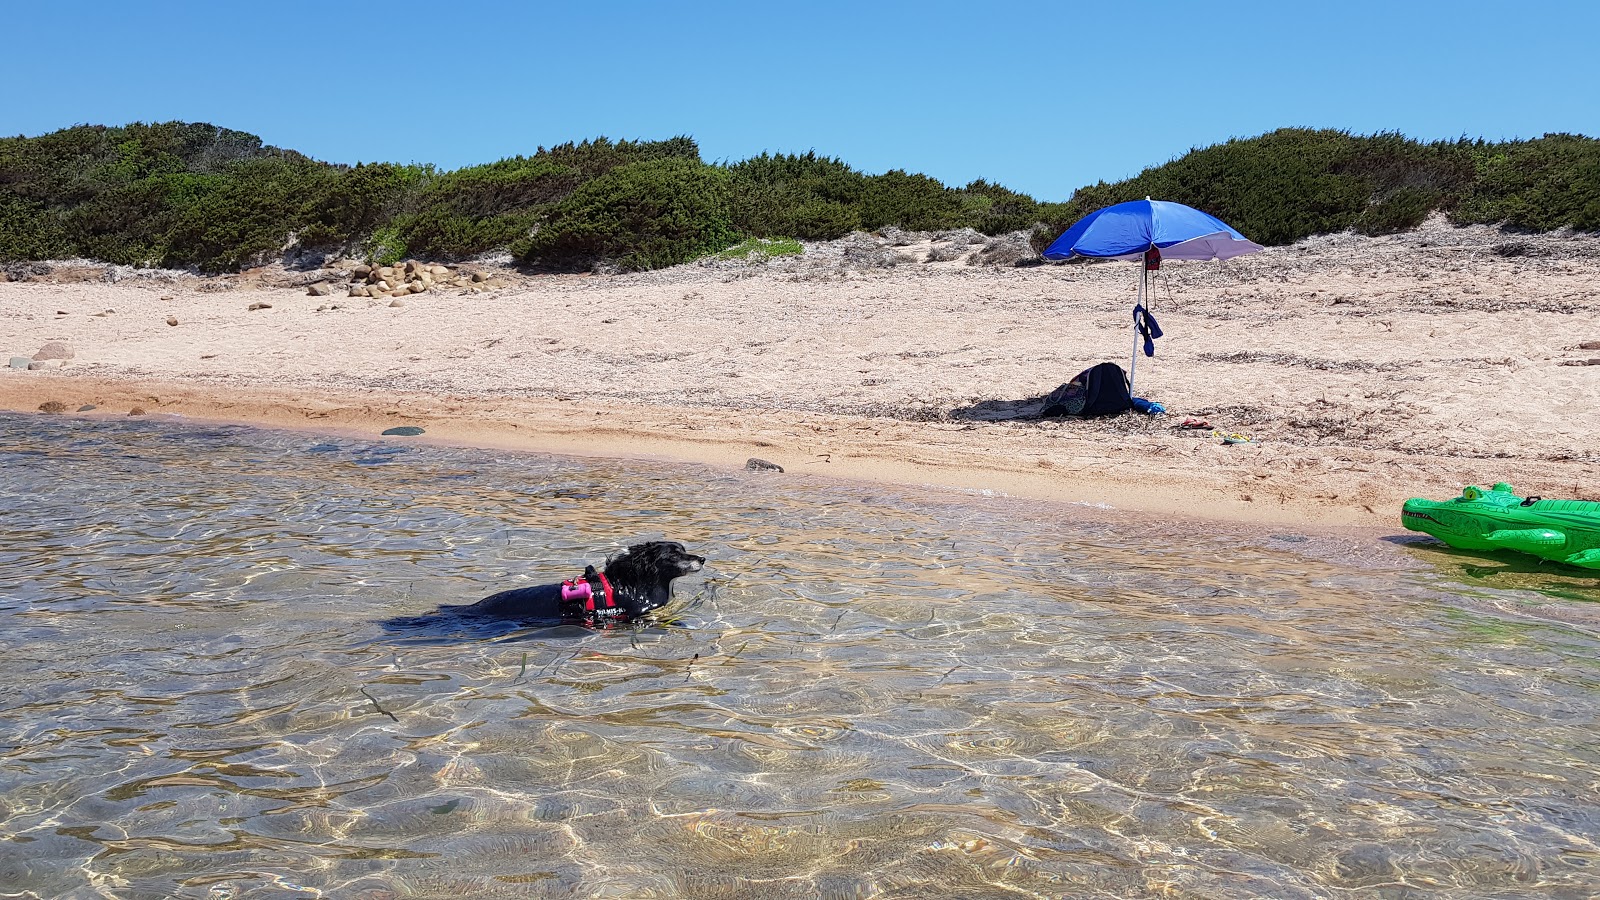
(872, 693)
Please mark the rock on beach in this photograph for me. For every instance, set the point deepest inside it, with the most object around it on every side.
(54, 350)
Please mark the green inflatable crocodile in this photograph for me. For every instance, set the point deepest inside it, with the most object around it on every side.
(1566, 531)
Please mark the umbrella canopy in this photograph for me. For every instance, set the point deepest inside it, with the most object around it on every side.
(1127, 230)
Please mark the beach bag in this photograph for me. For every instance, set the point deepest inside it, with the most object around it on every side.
(1097, 391)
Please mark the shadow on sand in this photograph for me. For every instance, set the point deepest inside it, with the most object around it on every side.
(1000, 410)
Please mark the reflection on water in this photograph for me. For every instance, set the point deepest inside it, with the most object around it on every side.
(872, 693)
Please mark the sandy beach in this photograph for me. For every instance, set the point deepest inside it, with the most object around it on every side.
(1366, 370)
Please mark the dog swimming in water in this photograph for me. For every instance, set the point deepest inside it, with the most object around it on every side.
(630, 585)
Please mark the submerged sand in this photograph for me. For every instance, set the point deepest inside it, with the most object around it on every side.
(1366, 370)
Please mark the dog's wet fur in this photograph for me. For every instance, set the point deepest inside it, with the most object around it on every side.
(641, 581)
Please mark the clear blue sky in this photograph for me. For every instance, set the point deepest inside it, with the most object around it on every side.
(1043, 98)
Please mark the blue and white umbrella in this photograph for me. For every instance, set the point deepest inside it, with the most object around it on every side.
(1152, 230)
(1128, 230)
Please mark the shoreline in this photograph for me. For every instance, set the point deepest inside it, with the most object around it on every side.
(1366, 370)
(814, 444)
(713, 438)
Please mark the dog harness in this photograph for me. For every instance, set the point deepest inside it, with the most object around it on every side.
(585, 589)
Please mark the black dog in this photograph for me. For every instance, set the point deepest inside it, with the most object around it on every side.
(633, 583)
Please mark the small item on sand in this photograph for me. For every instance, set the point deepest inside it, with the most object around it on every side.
(1193, 423)
(404, 431)
(172, 320)
(1233, 437)
(255, 306)
(756, 464)
(1148, 407)
(87, 407)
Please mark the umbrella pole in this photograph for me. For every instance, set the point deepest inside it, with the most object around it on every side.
(1133, 364)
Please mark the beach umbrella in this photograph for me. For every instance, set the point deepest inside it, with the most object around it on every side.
(1149, 230)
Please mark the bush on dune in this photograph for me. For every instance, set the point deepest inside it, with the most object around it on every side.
(801, 196)
(1539, 185)
(645, 215)
(28, 231)
(913, 202)
(1293, 183)
(122, 194)
(357, 200)
(993, 209)
(479, 209)
(195, 195)
(596, 157)
(249, 215)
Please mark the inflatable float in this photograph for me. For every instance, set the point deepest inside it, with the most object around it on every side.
(1566, 531)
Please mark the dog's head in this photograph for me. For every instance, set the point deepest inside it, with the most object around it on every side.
(652, 564)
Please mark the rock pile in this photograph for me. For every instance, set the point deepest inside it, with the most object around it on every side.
(394, 281)
(411, 277)
(52, 355)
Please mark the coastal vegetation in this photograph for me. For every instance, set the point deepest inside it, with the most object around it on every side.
(768, 247)
(195, 195)
(1293, 183)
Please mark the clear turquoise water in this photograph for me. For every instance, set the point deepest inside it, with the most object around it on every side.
(873, 692)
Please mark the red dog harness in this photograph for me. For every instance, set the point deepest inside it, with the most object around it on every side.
(586, 588)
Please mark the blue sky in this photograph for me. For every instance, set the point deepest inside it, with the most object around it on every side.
(1043, 98)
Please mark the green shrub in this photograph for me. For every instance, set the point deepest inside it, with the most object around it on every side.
(170, 193)
(384, 246)
(1275, 189)
(483, 208)
(1402, 210)
(439, 234)
(767, 247)
(804, 196)
(601, 155)
(253, 211)
(993, 209)
(29, 231)
(349, 204)
(914, 202)
(645, 215)
(479, 209)
(1539, 185)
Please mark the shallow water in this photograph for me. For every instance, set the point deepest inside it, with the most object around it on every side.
(872, 692)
